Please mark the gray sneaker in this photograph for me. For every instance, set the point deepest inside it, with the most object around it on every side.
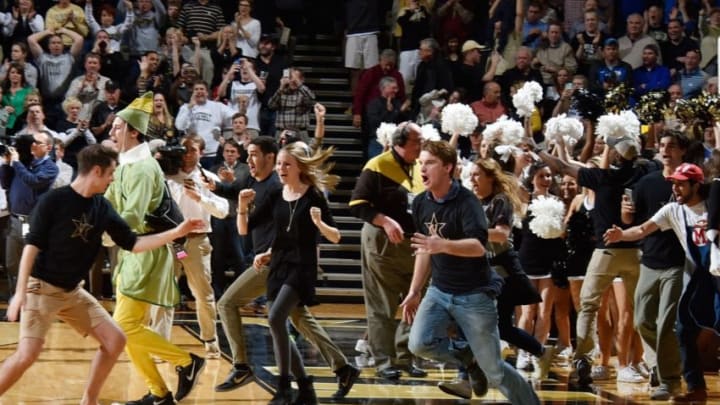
(457, 387)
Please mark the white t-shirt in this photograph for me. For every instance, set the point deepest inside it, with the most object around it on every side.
(249, 90)
(205, 119)
(672, 216)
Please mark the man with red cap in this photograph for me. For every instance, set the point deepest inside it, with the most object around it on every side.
(687, 218)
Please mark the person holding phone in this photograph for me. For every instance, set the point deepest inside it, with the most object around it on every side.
(293, 103)
(243, 89)
(74, 131)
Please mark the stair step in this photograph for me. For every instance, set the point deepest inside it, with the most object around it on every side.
(332, 261)
(357, 167)
(338, 128)
(350, 233)
(317, 48)
(317, 58)
(347, 220)
(328, 80)
(336, 104)
(338, 292)
(309, 70)
(334, 93)
(342, 141)
(340, 247)
(348, 154)
(338, 117)
(340, 276)
(338, 205)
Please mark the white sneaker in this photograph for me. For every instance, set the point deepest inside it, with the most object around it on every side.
(212, 350)
(523, 360)
(628, 374)
(362, 346)
(600, 373)
(643, 369)
(565, 354)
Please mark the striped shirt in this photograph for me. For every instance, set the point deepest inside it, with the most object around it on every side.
(201, 19)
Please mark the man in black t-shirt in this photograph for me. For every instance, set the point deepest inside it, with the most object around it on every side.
(449, 242)
(622, 259)
(66, 230)
(661, 270)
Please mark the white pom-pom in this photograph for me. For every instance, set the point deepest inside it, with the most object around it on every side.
(385, 133)
(548, 214)
(620, 125)
(505, 151)
(458, 119)
(429, 133)
(525, 98)
(509, 131)
(466, 169)
(571, 129)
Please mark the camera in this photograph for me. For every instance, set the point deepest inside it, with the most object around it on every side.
(171, 158)
(102, 45)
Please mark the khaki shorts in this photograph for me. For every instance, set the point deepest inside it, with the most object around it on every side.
(44, 303)
(361, 51)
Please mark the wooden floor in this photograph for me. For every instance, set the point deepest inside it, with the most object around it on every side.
(58, 377)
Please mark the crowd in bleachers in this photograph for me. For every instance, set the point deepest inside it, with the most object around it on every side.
(223, 72)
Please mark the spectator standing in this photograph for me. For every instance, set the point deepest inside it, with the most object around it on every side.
(676, 46)
(248, 30)
(554, 54)
(88, 88)
(146, 75)
(414, 21)
(206, 118)
(610, 70)
(204, 19)
(361, 47)
(107, 22)
(226, 53)
(533, 27)
(454, 19)
(588, 43)
(25, 183)
(145, 32)
(368, 86)
(632, 44)
(243, 89)
(270, 68)
(469, 74)
(14, 93)
(18, 54)
(293, 103)
(24, 21)
(104, 113)
(55, 67)
(161, 121)
(432, 72)
(650, 76)
(112, 63)
(691, 78)
(384, 108)
(67, 15)
(74, 131)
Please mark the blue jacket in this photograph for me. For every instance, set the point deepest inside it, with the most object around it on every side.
(655, 79)
(26, 185)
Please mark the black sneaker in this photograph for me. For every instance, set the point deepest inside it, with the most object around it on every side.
(478, 380)
(238, 377)
(583, 369)
(151, 399)
(346, 377)
(188, 376)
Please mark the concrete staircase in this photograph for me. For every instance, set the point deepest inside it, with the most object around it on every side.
(322, 64)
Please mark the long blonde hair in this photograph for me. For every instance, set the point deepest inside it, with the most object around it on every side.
(314, 168)
(502, 183)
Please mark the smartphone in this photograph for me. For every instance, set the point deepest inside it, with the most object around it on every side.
(568, 86)
(629, 195)
(286, 72)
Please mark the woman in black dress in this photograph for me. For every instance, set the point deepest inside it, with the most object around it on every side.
(301, 216)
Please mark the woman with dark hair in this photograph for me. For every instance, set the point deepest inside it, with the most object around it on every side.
(538, 256)
(15, 91)
(18, 54)
(301, 216)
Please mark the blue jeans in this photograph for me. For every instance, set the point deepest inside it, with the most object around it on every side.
(476, 315)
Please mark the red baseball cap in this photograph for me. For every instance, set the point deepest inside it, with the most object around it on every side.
(687, 171)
